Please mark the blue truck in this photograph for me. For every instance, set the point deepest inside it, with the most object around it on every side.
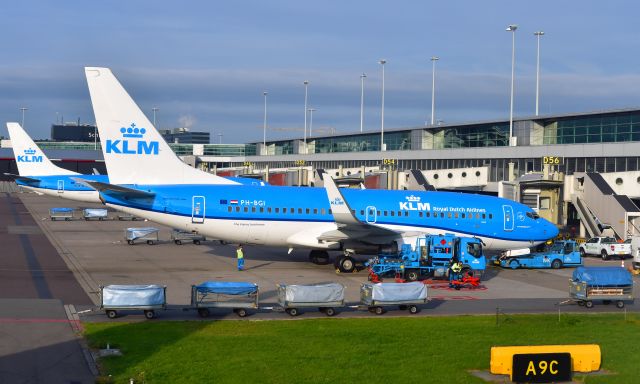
(563, 253)
(430, 257)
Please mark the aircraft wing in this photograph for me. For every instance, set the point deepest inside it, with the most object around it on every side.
(349, 227)
(24, 179)
(116, 191)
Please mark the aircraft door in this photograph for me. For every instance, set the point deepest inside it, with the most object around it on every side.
(372, 214)
(508, 217)
(197, 209)
(60, 186)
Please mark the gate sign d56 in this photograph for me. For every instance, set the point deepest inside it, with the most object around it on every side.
(541, 367)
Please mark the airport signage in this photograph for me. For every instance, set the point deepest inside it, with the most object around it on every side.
(389, 161)
(552, 160)
(300, 163)
(248, 164)
(541, 368)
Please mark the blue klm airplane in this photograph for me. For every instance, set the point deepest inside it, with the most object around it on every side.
(149, 181)
(37, 173)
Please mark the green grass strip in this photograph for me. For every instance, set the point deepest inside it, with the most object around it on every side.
(371, 350)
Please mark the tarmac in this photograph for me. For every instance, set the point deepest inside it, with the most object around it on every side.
(51, 273)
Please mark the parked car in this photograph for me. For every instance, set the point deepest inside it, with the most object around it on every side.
(605, 247)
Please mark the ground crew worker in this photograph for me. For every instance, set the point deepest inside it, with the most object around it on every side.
(454, 271)
(240, 256)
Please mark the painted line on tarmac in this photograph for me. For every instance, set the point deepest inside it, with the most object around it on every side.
(450, 298)
(9, 320)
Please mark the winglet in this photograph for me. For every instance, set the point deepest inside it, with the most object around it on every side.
(341, 211)
(30, 159)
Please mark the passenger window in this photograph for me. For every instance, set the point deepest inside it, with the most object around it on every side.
(463, 215)
(442, 215)
(308, 211)
(399, 213)
(246, 209)
(269, 209)
(393, 213)
(449, 215)
(253, 209)
(455, 215)
(330, 211)
(353, 212)
(322, 211)
(406, 213)
(315, 211)
(292, 210)
(237, 209)
(484, 216)
(230, 208)
(491, 216)
(277, 210)
(477, 215)
(385, 213)
(420, 214)
(378, 213)
(361, 212)
(300, 210)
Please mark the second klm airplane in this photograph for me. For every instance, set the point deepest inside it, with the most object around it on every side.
(148, 180)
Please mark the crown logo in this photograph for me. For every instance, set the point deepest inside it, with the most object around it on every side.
(30, 151)
(133, 131)
(413, 198)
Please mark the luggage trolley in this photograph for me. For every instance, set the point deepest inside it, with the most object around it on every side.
(240, 296)
(150, 234)
(94, 213)
(178, 236)
(148, 298)
(608, 284)
(405, 295)
(325, 297)
(61, 213)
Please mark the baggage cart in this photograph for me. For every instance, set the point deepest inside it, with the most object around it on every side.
(147, 298)
(239, 296)
(61, 213)
(94, 213)
(150, 234)
(606, 284)
(325, 297)
(405, 295)
(178, 236)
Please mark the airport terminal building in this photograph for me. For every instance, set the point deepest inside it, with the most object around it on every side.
(572, 168)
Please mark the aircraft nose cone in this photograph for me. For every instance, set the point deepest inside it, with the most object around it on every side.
(550, 230)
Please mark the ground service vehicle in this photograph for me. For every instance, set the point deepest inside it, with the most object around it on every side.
(605, 247)
(562, 253)
(430, 256)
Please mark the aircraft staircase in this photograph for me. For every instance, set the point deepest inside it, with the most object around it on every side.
(602, 210)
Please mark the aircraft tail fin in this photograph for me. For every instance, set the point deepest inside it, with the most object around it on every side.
(30, 159)
(134, 151)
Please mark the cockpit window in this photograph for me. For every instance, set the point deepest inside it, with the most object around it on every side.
(533, 215)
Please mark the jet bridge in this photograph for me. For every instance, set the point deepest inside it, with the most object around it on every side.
(601, 208)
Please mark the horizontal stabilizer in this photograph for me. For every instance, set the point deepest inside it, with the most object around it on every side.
(26, 180)
(116, 191)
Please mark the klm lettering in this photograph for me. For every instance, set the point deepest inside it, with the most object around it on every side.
(29, 159)
(412, 206)
(126, 147)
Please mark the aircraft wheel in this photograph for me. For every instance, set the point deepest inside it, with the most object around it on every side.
(346, 264)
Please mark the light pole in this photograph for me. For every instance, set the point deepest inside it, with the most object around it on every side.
(538, 34)
(311, 110)
(154, 109)
(306, 86)
(264, 127)
(382, 148)
(219, 138)
(512, 28)
(433, 88)
(362, 77)
(23, 109)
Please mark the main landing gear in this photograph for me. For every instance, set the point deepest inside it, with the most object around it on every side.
(346, 264)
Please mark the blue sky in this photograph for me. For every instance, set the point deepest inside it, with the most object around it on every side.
(205, 64)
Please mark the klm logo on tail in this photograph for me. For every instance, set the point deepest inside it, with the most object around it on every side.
(132, 147)
(29, 157)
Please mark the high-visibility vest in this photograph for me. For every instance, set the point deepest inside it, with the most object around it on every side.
(240, 254)
(456, 267)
